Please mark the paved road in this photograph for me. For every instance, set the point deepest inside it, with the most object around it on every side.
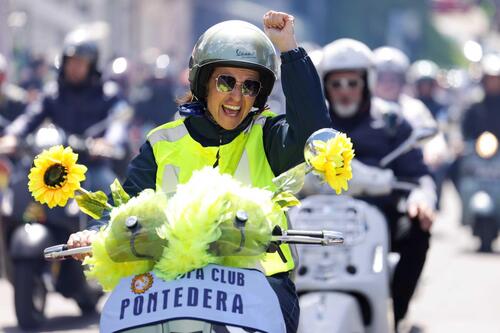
(63, 314)
(460, 288)
(459, 292)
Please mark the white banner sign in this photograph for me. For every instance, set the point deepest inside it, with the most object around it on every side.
(224, 295)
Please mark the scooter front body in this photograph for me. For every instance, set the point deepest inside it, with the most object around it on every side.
(351, 281)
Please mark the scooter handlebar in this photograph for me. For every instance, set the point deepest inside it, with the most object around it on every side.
(323, 237)
(61, 251)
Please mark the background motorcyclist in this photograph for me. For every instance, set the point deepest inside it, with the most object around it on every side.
(478, 158)
(154, 99)
(484, 115)
(348, 74)
(93, 118)
(12, 104)
(12, 98)
(392, 67)
(80, 104)
(422, 76)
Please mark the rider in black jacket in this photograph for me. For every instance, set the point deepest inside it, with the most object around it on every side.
(12, 98)
(80, 104)
(485, 115)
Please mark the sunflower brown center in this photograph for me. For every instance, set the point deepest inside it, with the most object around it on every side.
(55, 176)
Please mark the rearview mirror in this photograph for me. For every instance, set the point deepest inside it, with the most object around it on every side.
(417, 136)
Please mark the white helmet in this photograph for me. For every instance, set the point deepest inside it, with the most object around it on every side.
(348, 54)
(3, 64)
(490, 64)
(421, 70)
(391, 59)
(316, 57)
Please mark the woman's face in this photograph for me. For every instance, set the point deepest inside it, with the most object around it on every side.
(229, 107)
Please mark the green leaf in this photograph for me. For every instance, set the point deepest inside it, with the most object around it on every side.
(286, 199)
(120, 197)
(92, 203)
(291, 180)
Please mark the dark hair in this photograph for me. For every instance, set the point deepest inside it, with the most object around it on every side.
(186, 98)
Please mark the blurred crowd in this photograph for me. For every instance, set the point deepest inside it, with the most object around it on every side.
(104, 108)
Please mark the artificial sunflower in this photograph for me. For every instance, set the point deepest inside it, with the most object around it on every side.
(332, 160)
(55, 176)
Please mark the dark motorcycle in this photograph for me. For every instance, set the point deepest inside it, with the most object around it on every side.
(479, 189)
(36, 227)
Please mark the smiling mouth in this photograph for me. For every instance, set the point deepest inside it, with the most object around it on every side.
(231, 110)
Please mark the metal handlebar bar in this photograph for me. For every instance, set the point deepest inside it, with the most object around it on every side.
(324, 237)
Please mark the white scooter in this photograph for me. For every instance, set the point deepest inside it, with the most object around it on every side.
(346, 289)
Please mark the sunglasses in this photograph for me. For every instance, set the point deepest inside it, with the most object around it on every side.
(345, 83)
(226, 83)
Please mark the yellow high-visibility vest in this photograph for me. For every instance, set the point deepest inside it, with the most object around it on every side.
(178, 155)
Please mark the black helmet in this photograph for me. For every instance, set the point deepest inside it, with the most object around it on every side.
(85, 49)
(233, 43)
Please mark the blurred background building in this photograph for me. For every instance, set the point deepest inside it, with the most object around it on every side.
(135, 29)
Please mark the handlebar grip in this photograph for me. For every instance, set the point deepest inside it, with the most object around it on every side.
(309, 233)
(324, 237)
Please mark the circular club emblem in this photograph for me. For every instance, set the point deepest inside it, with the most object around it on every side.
(141, 283)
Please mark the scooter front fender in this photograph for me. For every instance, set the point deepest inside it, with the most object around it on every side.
(332, 312)
(29, 240)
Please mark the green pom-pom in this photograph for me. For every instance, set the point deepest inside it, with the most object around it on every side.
(201, 226)
(106, 271)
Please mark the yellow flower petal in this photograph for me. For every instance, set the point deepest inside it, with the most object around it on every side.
(64, 177)
(333, 161)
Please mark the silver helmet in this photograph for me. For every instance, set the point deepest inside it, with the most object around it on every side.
(233, 43)
(422, 70)
(391, 59)
(347, 54)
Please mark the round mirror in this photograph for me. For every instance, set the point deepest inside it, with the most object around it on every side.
(322, 135)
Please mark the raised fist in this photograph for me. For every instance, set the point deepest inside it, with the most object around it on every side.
(278, 26)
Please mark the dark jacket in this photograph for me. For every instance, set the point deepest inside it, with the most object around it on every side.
(372, 141)
(74, 109)
(480, 117)
(373, 138)
(284, 135)
(437, 109)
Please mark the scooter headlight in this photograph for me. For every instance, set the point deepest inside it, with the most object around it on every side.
(487, 145)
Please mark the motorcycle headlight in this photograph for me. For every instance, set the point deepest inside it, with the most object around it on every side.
(48, 136)
(486, 145)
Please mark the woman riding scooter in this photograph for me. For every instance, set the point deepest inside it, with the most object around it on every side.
(227, 125)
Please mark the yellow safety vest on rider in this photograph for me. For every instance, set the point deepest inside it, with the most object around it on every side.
(177, 155)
